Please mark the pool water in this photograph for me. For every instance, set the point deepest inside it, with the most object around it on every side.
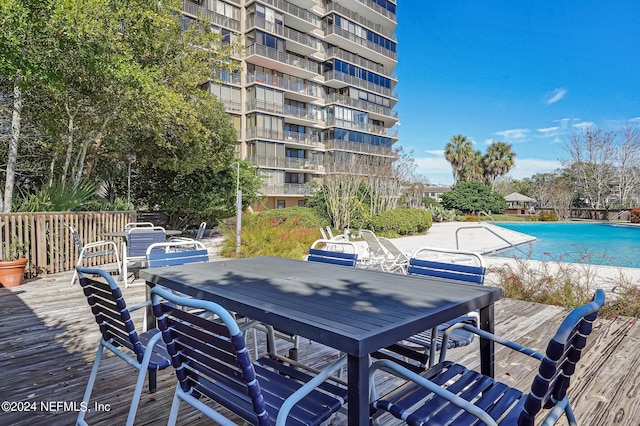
(595, 243)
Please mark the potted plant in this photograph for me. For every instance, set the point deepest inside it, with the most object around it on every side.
(12, 263)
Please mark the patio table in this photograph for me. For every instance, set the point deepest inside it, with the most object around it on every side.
(123, 234)
(356, 311)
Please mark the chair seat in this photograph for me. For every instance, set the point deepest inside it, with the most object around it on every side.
(502, 402)
(160, 358)
(276, 385)
(92, 254)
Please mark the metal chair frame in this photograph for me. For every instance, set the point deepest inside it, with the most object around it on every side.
(87, 251)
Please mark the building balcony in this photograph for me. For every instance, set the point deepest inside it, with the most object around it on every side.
(281, 61)
(190, 8)
(335, 52)
(285, 163)
(375, 110)
(339, 36)
(362, 148)
(362, 127)
(299, 90)
(385, 27)
(296, 17)
(289, 138)
(297, 41)
(286, 189)
(337, 79)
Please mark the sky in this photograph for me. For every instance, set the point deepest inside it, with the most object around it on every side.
(529, 73)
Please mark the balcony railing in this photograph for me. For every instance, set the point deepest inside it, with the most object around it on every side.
(286, 189)
(224, 21)
(360, 104)
(229, 105)
(286, 136)
(334, 52)
(381, 10)
(295, 85)
(340, 145)
(283, 57)
(294, 10)
(358, 82)
(283, 31)
(356, 125)
(274, 162)
(353, 16)
(334, 29)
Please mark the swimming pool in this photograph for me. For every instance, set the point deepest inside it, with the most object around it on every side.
(596, 243)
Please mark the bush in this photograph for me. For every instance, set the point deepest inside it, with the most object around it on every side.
(305, 216)
(402, 221)
(270, 234)
(469, 197)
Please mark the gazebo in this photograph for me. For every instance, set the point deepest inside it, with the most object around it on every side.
(519, 202)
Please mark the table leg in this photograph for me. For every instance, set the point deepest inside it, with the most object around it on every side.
(487, 347)
(358, 379)
(149, 324)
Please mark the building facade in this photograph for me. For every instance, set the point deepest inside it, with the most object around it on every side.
(316, 87)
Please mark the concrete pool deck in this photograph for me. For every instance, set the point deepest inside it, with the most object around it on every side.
(487, 238)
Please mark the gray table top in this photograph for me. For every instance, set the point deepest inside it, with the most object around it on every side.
(354, 310)
(123, 234)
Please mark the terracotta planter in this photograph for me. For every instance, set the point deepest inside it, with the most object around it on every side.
(12, 272)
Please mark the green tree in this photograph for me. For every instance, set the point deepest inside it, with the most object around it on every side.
(458, 152)
(202, 194)
(497, 161)
(471, 197)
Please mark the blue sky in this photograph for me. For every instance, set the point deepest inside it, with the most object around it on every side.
(529, 73)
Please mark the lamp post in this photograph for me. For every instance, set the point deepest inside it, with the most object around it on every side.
(238, 206)
(131, 158)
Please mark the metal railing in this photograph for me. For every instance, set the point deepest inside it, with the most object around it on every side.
(617, 216)
(510, 245)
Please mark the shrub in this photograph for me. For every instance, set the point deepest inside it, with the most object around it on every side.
(305, 216)
(402, 221)
(272, 235)
(471, 197)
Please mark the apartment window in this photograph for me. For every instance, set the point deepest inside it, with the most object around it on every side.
(302, 203)
(294, 153)
(280, 204)
(297, 178)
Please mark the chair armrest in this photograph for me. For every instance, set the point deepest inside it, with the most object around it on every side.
(139, 305)
(399, 371)
(297, 396)
(100, 244)
(489, 336)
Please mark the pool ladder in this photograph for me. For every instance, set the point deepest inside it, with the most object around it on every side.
(618, 215)
(510, 244)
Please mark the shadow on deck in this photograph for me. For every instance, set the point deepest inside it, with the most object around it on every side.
(48, 340)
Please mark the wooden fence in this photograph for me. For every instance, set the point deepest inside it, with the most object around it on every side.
(50, 245)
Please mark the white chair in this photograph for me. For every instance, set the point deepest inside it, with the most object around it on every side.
(396, 261)
(377, 253)
(93, 250)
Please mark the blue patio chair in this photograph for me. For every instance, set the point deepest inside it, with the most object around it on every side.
(93, 250)
(144, 351)
(211, 360)
(449, 393)
(335, 252)
(172, 253)
(135, 248)
(440, 264)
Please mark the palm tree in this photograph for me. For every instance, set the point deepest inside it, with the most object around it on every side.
(498, 161)
(458, 152)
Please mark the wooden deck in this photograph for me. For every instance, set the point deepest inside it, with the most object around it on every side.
(48, 340)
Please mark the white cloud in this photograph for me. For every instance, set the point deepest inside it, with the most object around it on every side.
(635, 120)
(584, 124)
(555, 95)
(549, 131)
(514, 135)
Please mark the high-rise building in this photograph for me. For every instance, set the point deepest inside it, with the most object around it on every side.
(316, 87)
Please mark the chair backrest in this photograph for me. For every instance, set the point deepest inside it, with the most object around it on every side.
(76, 239)
(563, 353)
(447, 264)
(138, 225)
(201, 230)
(373, 244)
(210, 357)
(173, 253)
(336, 252)
(139, 239)
(392, 248)
(110, 310)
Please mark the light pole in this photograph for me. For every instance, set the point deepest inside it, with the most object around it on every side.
(131, 158)
(238, 206)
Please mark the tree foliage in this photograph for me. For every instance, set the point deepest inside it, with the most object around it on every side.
(471, 197)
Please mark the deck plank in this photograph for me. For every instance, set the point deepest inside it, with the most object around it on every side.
(48, 340)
